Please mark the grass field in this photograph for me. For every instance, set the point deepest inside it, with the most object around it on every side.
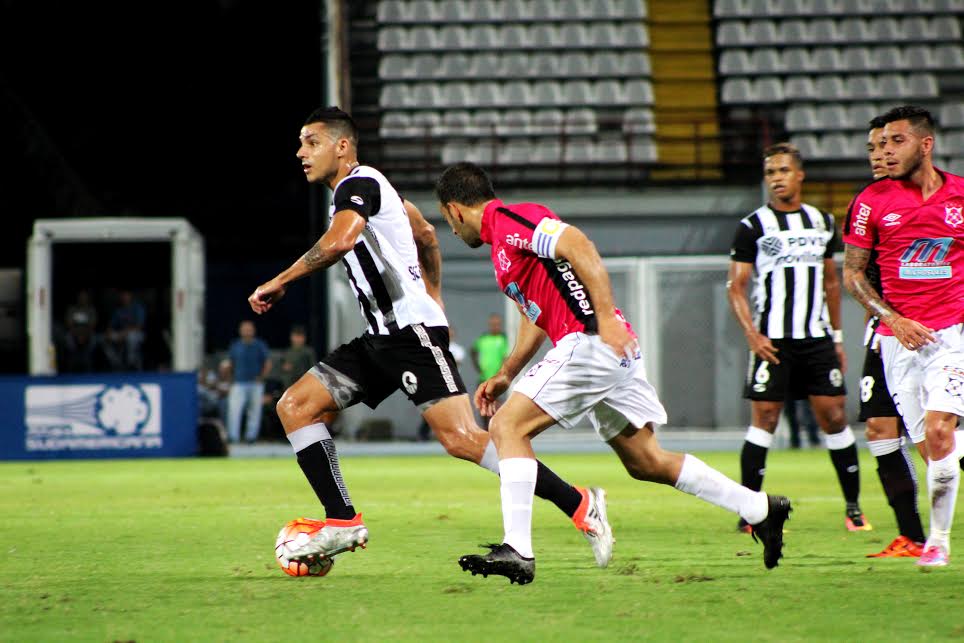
(182, 550)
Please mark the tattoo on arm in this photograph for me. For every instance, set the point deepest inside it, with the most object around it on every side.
(313, 259)
(431, 260)
(855, 266)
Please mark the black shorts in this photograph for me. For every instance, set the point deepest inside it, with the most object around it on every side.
(807, 367)
(369, 368)
(875, 399)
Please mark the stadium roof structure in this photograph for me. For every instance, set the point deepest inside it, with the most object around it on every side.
(187, 279)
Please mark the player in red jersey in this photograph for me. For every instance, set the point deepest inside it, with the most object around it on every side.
(914, 220)
(554, 274)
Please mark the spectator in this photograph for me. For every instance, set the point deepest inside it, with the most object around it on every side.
(298, 359)
(81, 350)
(250, 363)
(126, 331)
(82, 312)
(489, 351)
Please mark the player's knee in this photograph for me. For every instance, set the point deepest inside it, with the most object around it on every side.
(881, 429)
(835, 419)
(291, 408)
(768, 419)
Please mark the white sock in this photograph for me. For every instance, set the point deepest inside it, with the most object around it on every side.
(490, 458)
(518, 488)
(943, 478)
(304, 437)
(699, 479)
(878, 448)
(760, 437)
(842, 440)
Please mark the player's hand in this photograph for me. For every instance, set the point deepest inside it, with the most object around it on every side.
(841, 356)
(266, 295)
(487, 395)
(912, 335)
(615, 334)
(762, 347)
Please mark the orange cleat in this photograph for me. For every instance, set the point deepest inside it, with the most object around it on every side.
(857, 522)
(902, 547)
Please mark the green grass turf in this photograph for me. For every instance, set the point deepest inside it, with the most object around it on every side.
(182, 550)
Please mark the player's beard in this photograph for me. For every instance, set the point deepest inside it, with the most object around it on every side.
(912, 168)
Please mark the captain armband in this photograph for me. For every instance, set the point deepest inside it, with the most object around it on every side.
(546, 236)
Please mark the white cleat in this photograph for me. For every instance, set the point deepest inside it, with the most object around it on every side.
(595, 526)
(333, 539)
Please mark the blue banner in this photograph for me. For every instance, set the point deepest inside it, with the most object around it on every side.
(118, 415)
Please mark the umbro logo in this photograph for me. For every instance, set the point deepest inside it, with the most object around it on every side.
(357, 200)
(892, 219)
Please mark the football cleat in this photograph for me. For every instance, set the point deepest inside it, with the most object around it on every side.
(335, 537)
(901, 547)
(934, 556)
(770, 530)
(744, 527)
(502, 560)
(856, 521)
(590, 519)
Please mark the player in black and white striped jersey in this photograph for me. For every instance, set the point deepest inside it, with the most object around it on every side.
(796, 346)
(382, 245)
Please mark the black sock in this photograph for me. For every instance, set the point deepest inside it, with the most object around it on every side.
(551, 487)
(848, 471)
(753, 462)
(319, 461)
(900, 487)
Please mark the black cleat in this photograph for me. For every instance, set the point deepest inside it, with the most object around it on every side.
(770, 531)
(502, 560)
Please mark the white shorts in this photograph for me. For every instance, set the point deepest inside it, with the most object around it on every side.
(928, 379)
(582, 375)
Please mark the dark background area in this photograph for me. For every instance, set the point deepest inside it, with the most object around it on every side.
(179, 109)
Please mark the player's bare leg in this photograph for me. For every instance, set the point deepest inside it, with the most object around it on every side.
(453, 423)
(764, 416)
(943, 479)
(899, 484)
(644, 459)
(832, 417)
(303, 410)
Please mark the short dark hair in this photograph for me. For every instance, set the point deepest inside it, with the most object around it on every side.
(784, 148)
(298, 329)
(464, 183)
(338, 122)
(877, 122)
(920, 119)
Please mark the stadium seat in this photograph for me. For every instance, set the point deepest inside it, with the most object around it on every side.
(393, 11)
(952, 143)
(543, 37)
(737, 90)
(427, 95)
(833, 116)
(578, 92)
(885, 30)
(424, 11)
(830, 88)
(949, 56)
(546, 151)
(946, 29)
(949, 6)
(639, 92)
(514, 152)
(735, 62)
(610, 151)
(835, 146)
(515, 122)
(827, 8)
(393, 39)
(547, 121)
(826, 59)
(635, 35)
(546, 10)
(854, 31)
(799, 88)
(951, 115)
(423, 38)
(518, 93)
(456, 95)
(917, 29)
(515, 65)
(546, 93)
(855, 7)
(732, 33)
(518, 11)
(766, 60)
(486, 121)
(801, 118)
(395, 95)
(487, 65)
(729, 9)
(642, 150)
(579, 151)
(769, 89)
(452, 66)
(824, 31)
(860, 114)
(637, 64)
(956, 165)
(920, 57)
(455, 38)
(763, 32)
(493, 10)
(809, 146)
(636, 9)
(544, 65)
(425, 123)
(609, 64)
(579, 10)
(394, 66)
(864, 87)
(576, 64)
(581, 121)
(922, 86)
(395, 125)
(797, 60)
(639, 120)
(603, 35)
(609, 93)
(486, 37)
(795, 32)
(761, 8)
(474, 152)
(455, 122)
(573, 35)
(857, 59)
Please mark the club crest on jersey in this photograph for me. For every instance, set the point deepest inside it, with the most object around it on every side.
(504, 261)
(771, 246)
(953, 216)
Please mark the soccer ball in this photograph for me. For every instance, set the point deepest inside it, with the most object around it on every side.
(292, 536)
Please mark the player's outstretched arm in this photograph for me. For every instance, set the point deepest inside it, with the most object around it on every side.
(911, 334)
(736, 283)
(831, 293)
(429, 256)
(527, 342)
(337, 241)
(576, 248)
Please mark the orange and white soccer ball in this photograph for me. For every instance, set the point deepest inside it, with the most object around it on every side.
(292, 536)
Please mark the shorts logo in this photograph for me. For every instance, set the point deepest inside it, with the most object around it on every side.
(409, 382)
(953, 216)
(357, 200)
(771, 246)
(836, 377)
(954, 387)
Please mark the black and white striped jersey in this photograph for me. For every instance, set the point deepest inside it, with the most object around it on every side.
(787, 250)
(383, 267)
